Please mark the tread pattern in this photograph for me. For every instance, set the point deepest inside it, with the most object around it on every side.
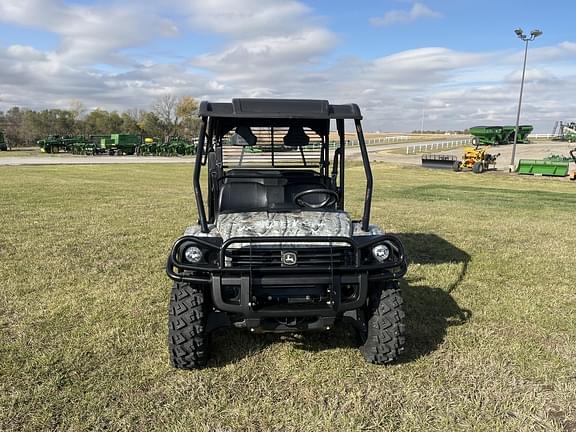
(385, 334)
(187, 337)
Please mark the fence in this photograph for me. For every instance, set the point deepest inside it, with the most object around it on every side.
(440, 145)
(542, 136)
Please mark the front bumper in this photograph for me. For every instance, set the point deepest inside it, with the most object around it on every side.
(320, 287)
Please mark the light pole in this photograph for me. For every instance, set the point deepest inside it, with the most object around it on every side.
(533, 35)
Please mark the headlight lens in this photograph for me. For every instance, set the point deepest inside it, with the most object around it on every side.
(193, 254)
(381, 252)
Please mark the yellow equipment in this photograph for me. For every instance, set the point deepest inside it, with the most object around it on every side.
(476, 158)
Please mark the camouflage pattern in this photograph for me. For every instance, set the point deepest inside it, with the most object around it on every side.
(302, 224)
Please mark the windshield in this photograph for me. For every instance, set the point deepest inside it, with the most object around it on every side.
(273, 147)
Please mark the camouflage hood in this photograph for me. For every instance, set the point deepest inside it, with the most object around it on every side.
(306, 223)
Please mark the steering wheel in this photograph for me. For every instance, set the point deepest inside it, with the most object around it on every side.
(331, 198)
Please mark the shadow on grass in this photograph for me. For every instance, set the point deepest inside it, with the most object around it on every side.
(429, 312)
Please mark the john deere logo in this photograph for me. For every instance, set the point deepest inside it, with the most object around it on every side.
(289, 258)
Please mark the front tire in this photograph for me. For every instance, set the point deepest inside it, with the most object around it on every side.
(384, 336)
(187, 336)
(478, 167)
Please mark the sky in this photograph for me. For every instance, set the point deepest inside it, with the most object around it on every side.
(440, 64)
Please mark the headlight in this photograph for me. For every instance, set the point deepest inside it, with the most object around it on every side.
(193, 254)
(381, 252)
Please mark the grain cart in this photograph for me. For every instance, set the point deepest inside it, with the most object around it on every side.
(523, 132)
(274, 249)
(499, 135)
(3, 145)
(124, 144)
(477, 159)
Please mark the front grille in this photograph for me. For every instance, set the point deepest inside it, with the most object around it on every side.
(306, 257)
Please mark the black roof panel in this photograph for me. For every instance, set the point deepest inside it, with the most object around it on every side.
(279, 108)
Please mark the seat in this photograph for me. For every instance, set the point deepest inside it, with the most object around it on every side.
(246, 190)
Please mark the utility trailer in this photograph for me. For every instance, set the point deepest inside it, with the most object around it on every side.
(274, 249)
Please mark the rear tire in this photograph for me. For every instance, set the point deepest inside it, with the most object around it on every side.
(456, 166)
(187, 336)
(384, 337)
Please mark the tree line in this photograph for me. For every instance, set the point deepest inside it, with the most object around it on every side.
(170, 116)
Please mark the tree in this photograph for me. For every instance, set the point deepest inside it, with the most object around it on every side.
(101, 122)
(165, 110)
(13, 119)
(151, 125)
(186, 110)
(129, 125)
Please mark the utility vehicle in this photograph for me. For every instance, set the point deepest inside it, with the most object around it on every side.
(274, 249)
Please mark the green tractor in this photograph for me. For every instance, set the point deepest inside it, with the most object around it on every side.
(51, 144)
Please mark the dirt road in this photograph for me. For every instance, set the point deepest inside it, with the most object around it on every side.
(384, 153)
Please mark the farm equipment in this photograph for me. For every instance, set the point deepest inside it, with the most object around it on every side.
(498, 135)
(274, 250)
(477, 159)
(438, 161)
(564, 131)
(179, 147)
(85, 146)
(3, 145)
(57, 143)
(148, 147)
(543, 167)
(121, 144)
(558, 158)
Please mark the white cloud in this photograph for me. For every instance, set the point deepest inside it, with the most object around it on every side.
(249, 18)
(271, 49)
(418, 11)
(25, 53)
(90, 34)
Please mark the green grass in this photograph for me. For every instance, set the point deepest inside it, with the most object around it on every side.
(490, 301)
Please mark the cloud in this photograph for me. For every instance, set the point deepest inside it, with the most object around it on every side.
(269, 49)
(249, 18)
(25, 53)
(418, 11)
(90, 34)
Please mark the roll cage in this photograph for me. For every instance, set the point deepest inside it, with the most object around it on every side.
(219, 120)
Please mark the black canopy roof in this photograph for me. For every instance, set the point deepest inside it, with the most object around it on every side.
(279, 108)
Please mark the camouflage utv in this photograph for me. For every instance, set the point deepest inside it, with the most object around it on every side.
(274, 249)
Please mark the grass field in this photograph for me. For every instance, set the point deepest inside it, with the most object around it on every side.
(490, 298)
